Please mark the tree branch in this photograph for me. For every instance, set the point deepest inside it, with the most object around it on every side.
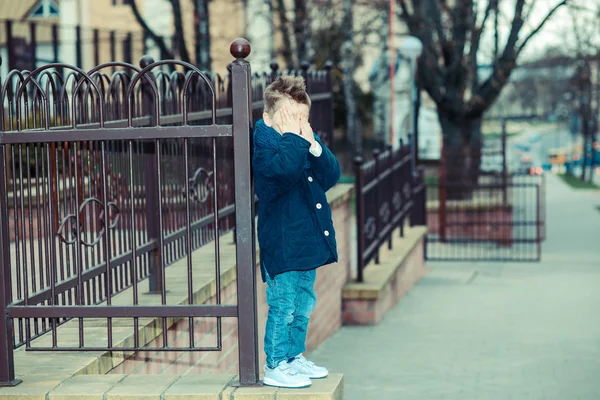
(541, 25)
(158, 40)
(179, 35)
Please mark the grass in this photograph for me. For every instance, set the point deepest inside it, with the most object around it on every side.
(577, 183)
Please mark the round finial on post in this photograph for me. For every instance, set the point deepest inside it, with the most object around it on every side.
(305, 65)
(274, 66)
(240, 48)
(328, 65)
(358, 160)
(146, 60)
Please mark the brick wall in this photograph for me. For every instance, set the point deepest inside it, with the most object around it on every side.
(386, 283)
(490, 223)
(326, 319)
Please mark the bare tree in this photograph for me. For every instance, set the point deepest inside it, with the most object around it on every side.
(586, 47)
(452, 33)
(179, 35)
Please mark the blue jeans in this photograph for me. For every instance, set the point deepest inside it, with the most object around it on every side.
(291, 299)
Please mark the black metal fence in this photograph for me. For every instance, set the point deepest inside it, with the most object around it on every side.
(109, 176)
(387, 192)
(501, 218)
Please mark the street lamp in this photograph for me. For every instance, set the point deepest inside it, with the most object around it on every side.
(411, 48)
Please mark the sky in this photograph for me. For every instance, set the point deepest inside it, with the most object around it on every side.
(557, 32)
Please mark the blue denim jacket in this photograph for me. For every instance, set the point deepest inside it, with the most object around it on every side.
(295, 227)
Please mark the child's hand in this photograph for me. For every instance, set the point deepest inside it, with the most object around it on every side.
(307, 132)
(289, 122)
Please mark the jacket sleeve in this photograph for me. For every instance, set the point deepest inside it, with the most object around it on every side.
(283, 167)
(326, 167)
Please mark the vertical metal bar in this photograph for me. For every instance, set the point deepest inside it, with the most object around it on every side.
(108, 282)
(188, 231)
(244, 213)
(7, 365)
(78, 261)
(33, 44)
(132, 241)
(377, 189)
(538, 223)
(78, 50)
(24, 240)
(360, 217)
(159, 258)
(504, 166)
(217, 235)
(52, 240)
(443, 194)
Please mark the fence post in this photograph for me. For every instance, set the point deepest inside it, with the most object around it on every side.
(376, 154)
(244, 216)
(403, 178)
(504, 166)
(151, 182)
(7, 364)
(274, 71)
(360, 218)
(389, 191)
(442, 193)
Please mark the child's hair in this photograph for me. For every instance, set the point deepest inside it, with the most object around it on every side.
(290, 87)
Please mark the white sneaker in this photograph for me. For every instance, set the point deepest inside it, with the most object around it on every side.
(285, 376)
(308, 368)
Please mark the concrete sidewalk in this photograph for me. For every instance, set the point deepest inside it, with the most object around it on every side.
(490, 331)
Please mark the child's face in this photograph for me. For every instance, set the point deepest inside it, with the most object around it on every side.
(297, 109)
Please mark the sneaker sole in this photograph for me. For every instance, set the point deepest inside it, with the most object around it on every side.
(325, 375)
(271, 382)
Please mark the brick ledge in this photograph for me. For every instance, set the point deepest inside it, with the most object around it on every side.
(368, 302)
(377, 276)
(165, 387)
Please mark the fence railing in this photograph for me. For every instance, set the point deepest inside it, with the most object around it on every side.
(107, 177)
(501, 218)
(387, 192)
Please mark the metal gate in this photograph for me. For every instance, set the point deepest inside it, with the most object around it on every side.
(501, 219)
(106, 178)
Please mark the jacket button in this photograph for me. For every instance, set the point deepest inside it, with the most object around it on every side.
(310, 179)
(319, 206)
(326, 233)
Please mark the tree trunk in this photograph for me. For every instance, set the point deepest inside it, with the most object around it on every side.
(285, 32)
(259, 31)
(584, 156)
(301, 30)
(203, 58)
(460, 166)
(179, 35)
(348, 67)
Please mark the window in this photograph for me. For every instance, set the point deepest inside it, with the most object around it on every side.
(44, 9)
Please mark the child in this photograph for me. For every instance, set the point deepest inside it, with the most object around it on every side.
(292, 172)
